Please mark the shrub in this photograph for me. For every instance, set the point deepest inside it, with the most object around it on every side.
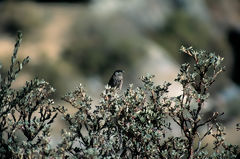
(136, 124)
(132, 124)
(26, 114)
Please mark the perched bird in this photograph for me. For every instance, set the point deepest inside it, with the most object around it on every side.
(117, 79)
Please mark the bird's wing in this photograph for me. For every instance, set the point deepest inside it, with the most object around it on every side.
(111, 82)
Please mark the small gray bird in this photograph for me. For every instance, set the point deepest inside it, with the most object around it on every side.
(117, 79)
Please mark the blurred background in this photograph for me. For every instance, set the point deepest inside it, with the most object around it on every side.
(84, 41)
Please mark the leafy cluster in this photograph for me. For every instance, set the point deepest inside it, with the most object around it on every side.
(136, 123)
(26, 114)
(120, 126)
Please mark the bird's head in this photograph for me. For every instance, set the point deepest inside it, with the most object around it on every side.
(118, 73)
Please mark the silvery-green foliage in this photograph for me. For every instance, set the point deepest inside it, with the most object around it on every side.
(26, 114)
(136, 124)
(186, 109)
(133, 124)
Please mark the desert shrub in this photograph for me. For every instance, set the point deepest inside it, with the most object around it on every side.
(136, 123)
(26, 114)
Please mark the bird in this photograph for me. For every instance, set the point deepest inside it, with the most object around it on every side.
(116, 80)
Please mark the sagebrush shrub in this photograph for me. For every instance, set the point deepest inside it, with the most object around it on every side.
(26, 114)
(136, 123)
